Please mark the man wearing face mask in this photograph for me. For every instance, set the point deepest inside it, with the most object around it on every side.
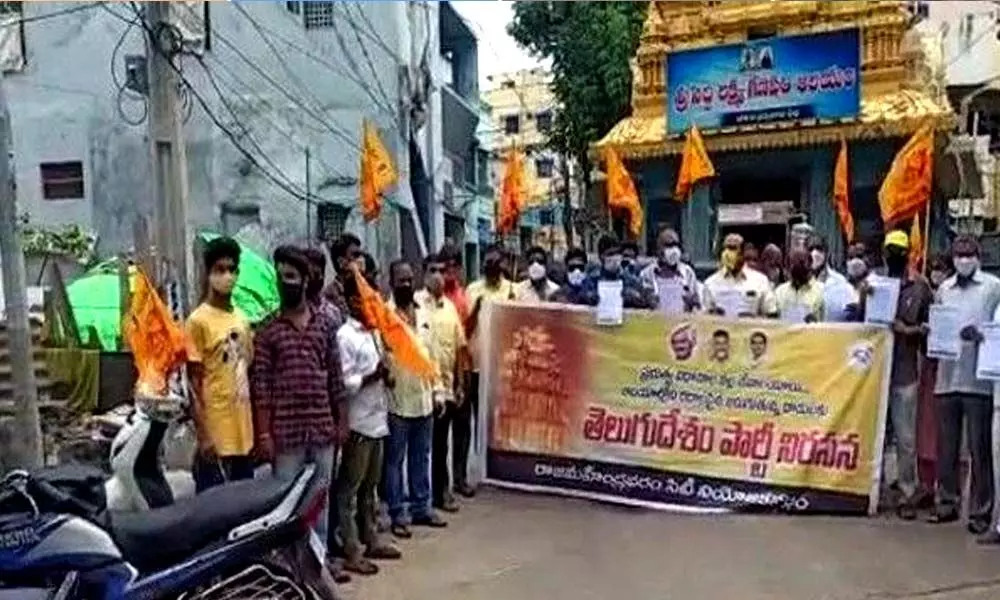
(575, 290)
(298, 386)
(414, 402)
(961, 396)
(772, 262)
(910, 329)
(492, 287)
(669, 268)
(454, 289)
(537, 287)
(345, 252)
(753, 287)
(819, 259)
(634, 294)
(218, 369)
(314, 293)
(801, 296)
(837, 293)
(630, 256)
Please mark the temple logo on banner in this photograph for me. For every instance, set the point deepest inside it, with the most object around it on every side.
(693, 411)
(801, 78)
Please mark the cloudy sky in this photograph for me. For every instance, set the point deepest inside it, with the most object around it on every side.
(497, 51)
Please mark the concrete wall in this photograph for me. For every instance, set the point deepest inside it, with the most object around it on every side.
(969, 41)
(64, 106)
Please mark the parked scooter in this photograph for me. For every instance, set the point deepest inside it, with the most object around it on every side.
(138, 480)
(247, 539)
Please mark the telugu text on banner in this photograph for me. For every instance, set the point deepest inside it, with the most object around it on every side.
(692, 411)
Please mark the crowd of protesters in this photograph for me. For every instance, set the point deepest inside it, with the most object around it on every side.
(315, 384)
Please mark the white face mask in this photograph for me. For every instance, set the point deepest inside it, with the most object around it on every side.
(672, 255)
(576, 277)
(856, 267)
(966, 265)
(818, 259)
(536, 271)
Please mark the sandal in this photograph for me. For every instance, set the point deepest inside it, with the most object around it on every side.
(401, 531)
(383, 553)
(361, 566)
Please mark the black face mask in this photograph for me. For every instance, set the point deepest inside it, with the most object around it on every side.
(290, 293)
(895, 263)
(800, 274)
(492, 270)
(403, 295)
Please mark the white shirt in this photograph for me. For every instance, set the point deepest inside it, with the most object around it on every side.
(837, 294)
(360, 354)
(977, 302)
(651, 275)
(756, 288)
(526, 291)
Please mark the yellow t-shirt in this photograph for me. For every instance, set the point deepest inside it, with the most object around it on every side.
(222, 343)
(504, 290)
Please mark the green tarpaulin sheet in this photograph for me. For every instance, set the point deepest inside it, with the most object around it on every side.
(95, 298)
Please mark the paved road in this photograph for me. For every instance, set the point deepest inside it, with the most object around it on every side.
(511, 546)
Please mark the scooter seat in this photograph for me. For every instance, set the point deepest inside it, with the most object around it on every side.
(155, 539)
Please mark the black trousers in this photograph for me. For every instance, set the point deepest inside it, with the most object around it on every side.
(454, 423)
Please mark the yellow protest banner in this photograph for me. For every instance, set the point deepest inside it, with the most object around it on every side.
(692, 411)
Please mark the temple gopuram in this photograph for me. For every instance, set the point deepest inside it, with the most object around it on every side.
(774, 86)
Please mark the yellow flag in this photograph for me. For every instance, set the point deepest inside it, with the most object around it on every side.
(917, 257)
(841, 194)
(621, 191)
(511, 201)
(695, 165)
(377, 173)
(907, 187)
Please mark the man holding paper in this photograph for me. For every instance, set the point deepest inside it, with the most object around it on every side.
(673, 282)
(961, 396)
(736, 290)
(909, 325)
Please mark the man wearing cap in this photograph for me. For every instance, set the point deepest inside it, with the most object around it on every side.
(753, 287)
(909, 327)
(961, 396)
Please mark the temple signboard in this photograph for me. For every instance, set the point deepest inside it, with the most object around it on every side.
(798, 78)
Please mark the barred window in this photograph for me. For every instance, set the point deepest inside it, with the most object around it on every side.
(318, 14)
(62, 181)
(332, 220)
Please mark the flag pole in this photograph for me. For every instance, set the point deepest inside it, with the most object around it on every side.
(927, 237)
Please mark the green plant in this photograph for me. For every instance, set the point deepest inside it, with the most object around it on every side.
(70, 241)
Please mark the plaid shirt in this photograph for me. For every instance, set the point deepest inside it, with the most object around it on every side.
(296, 375)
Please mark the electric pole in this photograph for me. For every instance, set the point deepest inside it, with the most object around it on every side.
(166, 138)
(24, 449)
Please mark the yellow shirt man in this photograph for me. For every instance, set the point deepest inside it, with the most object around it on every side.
(796, 303)
(478, 291)
(222, 343)
(439, 329)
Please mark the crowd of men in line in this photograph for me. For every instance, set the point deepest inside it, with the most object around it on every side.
(315, 384)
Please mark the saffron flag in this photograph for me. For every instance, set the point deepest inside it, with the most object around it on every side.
(621, 191)
(917, 250)
(907, 188)
(399, 338)
(695, 165)
(841, 194)
(511, 201)
(377, 173)
(158, 343)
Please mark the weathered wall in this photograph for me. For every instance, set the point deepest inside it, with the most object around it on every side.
(64, 107)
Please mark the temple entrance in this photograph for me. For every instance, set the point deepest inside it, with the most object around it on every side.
(758, 208)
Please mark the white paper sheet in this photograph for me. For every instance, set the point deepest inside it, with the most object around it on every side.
(795, 313)
(732, 301)
(882, 301)
(836, 296)
(671, 293)
(943, 339)
(988, 364)
(610, 305)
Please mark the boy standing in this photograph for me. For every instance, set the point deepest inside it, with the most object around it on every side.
(218, 369)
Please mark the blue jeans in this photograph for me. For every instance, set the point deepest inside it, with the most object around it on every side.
(409, 439)
(288, 464)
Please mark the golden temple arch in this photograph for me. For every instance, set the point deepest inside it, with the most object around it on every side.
(902, 74)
